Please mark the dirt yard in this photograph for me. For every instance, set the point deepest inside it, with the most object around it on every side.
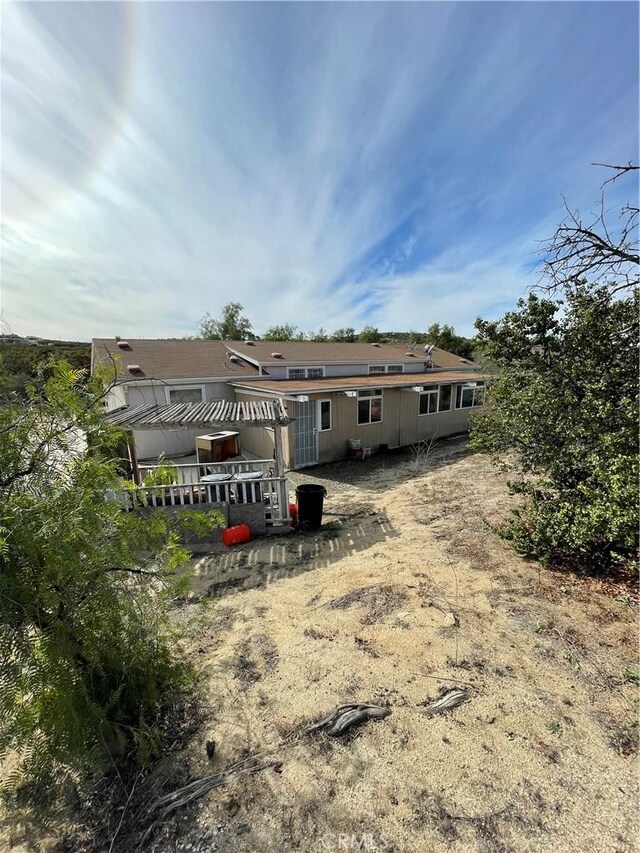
(407, 592)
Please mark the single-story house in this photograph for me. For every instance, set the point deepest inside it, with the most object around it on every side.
(380, 395)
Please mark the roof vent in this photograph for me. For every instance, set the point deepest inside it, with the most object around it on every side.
(276, 355)
(464, 360)
(375, 345)
(134, 368)
(124, 344)
(234, 359)
(410, 354)
(250, 343)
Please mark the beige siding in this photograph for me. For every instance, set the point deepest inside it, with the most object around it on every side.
(401, 424)
(257, 440)
(260, 440)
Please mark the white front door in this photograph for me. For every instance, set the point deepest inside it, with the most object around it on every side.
(305, 433)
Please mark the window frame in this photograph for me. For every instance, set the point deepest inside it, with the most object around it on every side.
(383, 369)
(169, 389)
(298, 369)
(450, 386)
(473, 387)
(320, 427)
(431, 391)
(369, 395)
(305, 371)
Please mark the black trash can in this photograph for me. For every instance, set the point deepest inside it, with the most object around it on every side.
(310, 502)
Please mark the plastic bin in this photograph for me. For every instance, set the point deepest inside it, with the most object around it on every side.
(217, 487)
(248, 487)
(310, 504)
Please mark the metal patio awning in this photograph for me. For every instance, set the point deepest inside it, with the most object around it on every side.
(151, 416)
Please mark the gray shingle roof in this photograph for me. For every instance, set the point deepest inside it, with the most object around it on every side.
(313, 352)
(170, 359)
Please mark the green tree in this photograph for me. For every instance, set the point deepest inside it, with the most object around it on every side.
(232, 324)
(285, 332)
(369, 335)
(23, 364)
(89, 658)
(321, 335)
(445, 338)
(347, 335)
(562, 410)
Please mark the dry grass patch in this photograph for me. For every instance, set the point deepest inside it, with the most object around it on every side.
(412, 596)
(380, 600)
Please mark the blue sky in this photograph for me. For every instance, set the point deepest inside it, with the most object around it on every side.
(323, 164)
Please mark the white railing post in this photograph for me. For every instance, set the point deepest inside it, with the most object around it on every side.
(272, 491)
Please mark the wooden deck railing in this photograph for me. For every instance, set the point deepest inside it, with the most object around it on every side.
(271, 491)
(191, 474)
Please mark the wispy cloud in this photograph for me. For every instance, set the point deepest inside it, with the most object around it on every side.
(323, 164)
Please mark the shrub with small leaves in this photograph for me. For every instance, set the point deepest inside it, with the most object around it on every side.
(561, 418)
(90, 660)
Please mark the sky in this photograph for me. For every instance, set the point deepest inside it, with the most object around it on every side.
(323, 164)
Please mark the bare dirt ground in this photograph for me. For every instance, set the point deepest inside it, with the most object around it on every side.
(405, 592)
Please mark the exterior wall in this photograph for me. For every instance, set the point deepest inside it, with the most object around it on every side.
(181, 441)
(142, 395)
(261, 440)
(280, 371)
(115, 399)
(401, 424)
(258, 440)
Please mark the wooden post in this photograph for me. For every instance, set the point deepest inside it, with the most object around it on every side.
(133, 457)
(279, 458)
(283, 491)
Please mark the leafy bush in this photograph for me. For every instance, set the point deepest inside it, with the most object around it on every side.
(164, 474)
(561, 416)
(90, 660)
(562, 411)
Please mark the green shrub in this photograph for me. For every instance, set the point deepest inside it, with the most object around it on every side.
(164, 474)
(90, 659)
(561, 417)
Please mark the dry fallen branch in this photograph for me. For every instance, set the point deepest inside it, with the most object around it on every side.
(449, 700)
(188, 793)
(346, 716)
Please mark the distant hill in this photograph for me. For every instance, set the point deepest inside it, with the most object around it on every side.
(22, 356)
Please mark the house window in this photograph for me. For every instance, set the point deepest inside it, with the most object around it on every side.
(305, 372)
(444, 400)
(470, 394)
(185, 395)
(428, 400)
(378, 369)
(325, 415)
(370, 406)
